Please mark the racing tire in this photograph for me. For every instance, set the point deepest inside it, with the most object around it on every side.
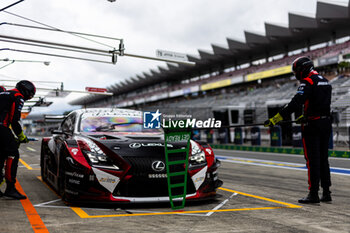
(62, 180)
(62, 185)
(43, 165)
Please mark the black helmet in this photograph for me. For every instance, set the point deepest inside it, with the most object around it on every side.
(26, 88)
(302, 66)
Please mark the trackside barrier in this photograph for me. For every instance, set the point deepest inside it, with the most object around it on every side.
(255, 136)
(276, 136)
(176, 161)
(281, 150)
(224, 135)
(210, 135)
(238, 140)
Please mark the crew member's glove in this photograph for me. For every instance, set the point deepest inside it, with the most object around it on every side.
(22, 138)
(273, 121)
(300, 120)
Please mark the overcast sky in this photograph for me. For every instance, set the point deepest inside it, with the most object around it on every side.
(145, 25)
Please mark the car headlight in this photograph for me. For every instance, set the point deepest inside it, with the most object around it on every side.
(197, 154)
(95, 155)
(96, 158)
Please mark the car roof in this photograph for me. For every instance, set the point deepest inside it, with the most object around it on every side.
(119, 112)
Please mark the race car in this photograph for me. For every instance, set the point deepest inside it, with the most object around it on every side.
(106, 155)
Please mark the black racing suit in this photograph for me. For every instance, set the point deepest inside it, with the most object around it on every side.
(11, 103)
(314, 93)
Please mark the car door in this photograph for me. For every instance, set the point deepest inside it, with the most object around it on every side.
(67, 128)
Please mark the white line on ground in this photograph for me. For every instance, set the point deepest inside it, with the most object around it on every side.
(277, 164)
(221, 204)
(273, 154)
(48, 202)
(53, 206)
(35, 165)
(31, 149)
(261, 160)
(144, 211)
(201, 215)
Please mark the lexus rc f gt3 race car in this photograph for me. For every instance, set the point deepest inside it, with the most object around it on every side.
(106, 155)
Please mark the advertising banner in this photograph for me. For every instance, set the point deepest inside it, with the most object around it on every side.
(328, 60)
(175, 93)
(214, 85)
(269, 73)
(171, 55)
(238, 79)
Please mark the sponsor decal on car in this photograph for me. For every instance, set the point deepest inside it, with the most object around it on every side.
(74, 174)
(208, 150)
(106, 180)
(73, 181)
(71, 192)
(157, 176)
(69, 159)
(199, 177)
(137, 145)
(74, 151)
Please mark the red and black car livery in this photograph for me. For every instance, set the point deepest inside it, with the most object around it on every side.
(106, 155)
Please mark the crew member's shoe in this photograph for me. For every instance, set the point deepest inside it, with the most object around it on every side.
(310, 199)
(12, 192)
(326, 196)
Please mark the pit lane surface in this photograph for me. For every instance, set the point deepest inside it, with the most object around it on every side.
(259, 194)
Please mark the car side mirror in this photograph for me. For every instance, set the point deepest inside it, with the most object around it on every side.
(57, 131)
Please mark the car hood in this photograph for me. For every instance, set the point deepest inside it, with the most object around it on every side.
(134, 145)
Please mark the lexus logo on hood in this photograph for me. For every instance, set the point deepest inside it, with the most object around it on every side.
(158, 166)
(135, 145)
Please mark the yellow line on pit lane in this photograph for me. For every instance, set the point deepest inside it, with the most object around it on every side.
(82, 214)
(26, 165)
(263, 198)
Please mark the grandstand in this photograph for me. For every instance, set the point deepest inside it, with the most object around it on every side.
(252, 76)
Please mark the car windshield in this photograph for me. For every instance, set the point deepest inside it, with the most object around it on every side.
(113, 124)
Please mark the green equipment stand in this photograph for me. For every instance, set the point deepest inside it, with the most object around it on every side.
(176, 161)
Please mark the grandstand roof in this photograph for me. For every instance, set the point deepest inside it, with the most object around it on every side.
(331, 21)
